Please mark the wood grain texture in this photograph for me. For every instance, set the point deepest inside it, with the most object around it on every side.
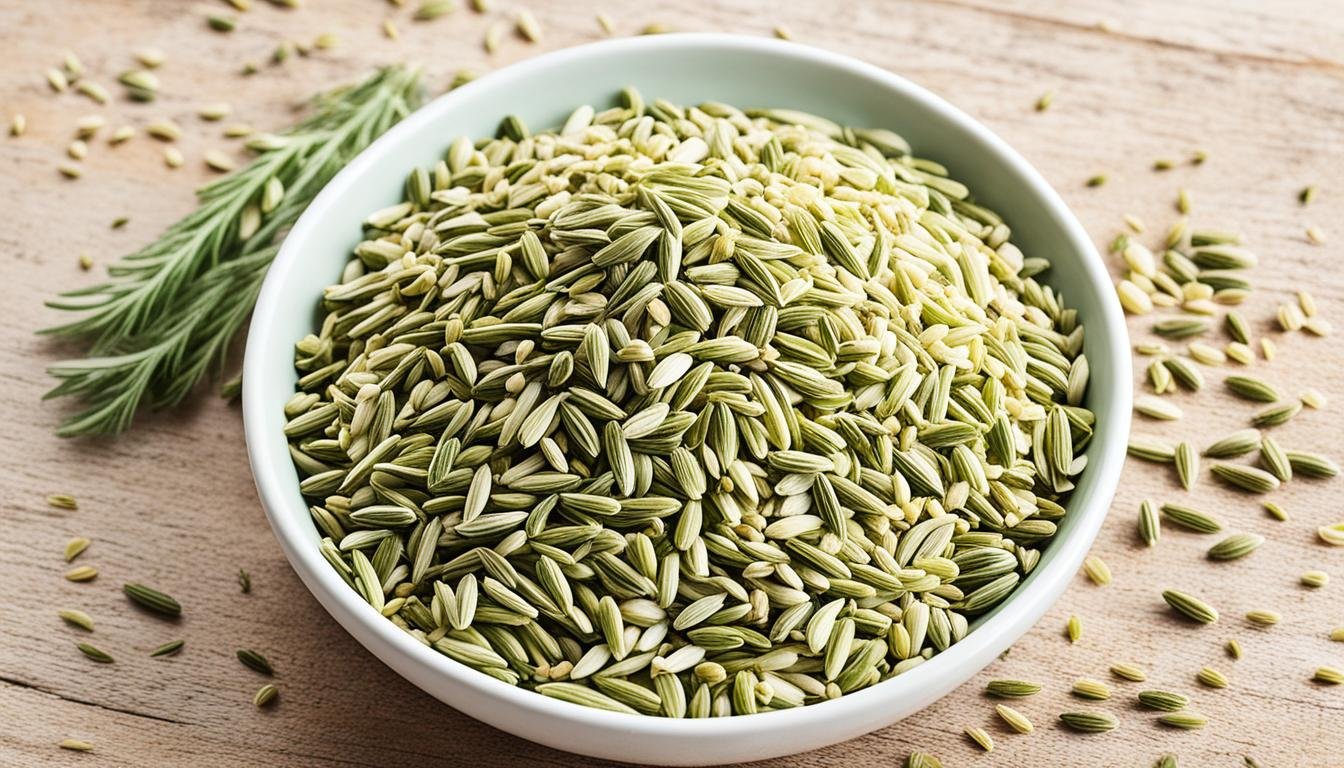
(1259, 86)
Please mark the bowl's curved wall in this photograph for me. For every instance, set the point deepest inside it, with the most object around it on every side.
(747, 72)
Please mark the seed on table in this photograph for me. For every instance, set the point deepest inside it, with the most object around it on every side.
(1233, 648)
(1191, 519)
(1012, 688)
(82, 573)
(1015, 720)
(76, 618)
(1239, 443)
(1165, 701)
(255, 661)
(1091, 689)
(75, 745)
(1315, 579)
(1097, 570)
(1150, 525)
(1089, 722)
(981, 737)
(1190, 606)
(167, 649)
(1235, 546)
(1184, 720)
(75, 547)
(1250, 479)
(152, 599)
(1332, 534)
(1132, 672)
(1074, 628)
(1328, 675)
(1212, 678)
(265, 695)
(93, 653)
(1263, 618)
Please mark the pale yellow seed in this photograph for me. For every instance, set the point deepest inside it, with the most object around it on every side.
(89, 125)
(17, 125)
(1337, 634)
(1315, 579)
(82, 573)
(1263, 618)
(77, 149)
(218, 161)
(1132, 672)
(1316, 235)
(1140, 259)
(604, 21)
(326, 41)
(85, 262)
(75, 745)
(57, 80)
(1328, 675)
(1268, 348)
(70, 170)
(216, 111)
(1233, 648)
(981, 737)
(390, 30)
(237, 130)
(527, 26)
(1317, 326)
(1212, 678)
(1239, 352)
(494, 35)
(150, 57)
(164, 130)
(1307, 302)
(124, 133)
(1015, 720)
(1332, 534)
(62, 501)
(75, 547)
(1134, 223)
(93, 90)
(1097, 570)
(1207, 354)
(172, 157)
(1133, 299)
(783, 33)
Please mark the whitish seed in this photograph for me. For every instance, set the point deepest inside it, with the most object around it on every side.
(1328, 675)
(77, 618)
(1151, 450)
(57, 80)
(1091, 689)
(1235, 546)
(527, 26)
(150, 57)
(1089, 722)
(82, 573)
(433, 9)
(1097, 570)
(1233, 648)
(75, 745)
(1263, 618)
(172, 157)
(70, 170)
(1156, 408)
(1074, 628)
(1165, 701)
(1239, 352)
(1246, 478)
(215, 111)
(1131, 672)
(1315, 579)
(265, 695)
(922, 760)
(77, 149)
(1267, 348)
(1190, 606)
(218, 161)
(1191, 519)
(1187, 465)
(164, 130)
(1133, 299)
(1134, 223)
(1206, 354)
(1316, 235)
(1011, 688)
(1185, 720)
(981, 737)
(1015, 720)
(124, 133)
(1332, 534)
(1212, 678)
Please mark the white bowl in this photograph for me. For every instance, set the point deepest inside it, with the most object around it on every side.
(747, 72)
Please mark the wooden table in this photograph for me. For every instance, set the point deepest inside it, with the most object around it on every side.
(1260, 87)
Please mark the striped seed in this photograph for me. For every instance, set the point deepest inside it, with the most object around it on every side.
(1150, 525)
(1089, 722)
(1190, 606)
(1191, 519)
(1091, 689)
(1164, 701)
(1184, 720)
(1187, 464)
(1236, 546)
(1211, 678)
(1246, 478)
(152, 599)
(1015, 720)
(1011, 688)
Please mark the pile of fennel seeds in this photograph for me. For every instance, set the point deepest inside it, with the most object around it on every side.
(688, 411)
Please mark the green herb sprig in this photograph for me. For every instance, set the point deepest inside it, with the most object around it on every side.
(166, 317)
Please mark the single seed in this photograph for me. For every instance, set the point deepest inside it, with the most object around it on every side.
(1238, 443)
(77, 619)
(1163, 164)
(1164, 701)
(1180, 328)
(1328, 675)
(1190, 606)
(57, 80)
(152, 599)
(1311, 464)
(1233, 648)
(75, 547)
(326, 41)
(218, 161)
(1089, 722)
(1251, 388)
(1307, 194)
(1275, 511)
(215, 111)
(17, 125)
(93, 653)
(150, 57)
(1187, 464)
(244, 581)
(433, 9)
(922, 760)
(1097, 570)
(1011, 688)
(1046, 99)
(1134, 223)
(1198, 157)
(1015, 720)
(1131, 672)
(1185, 720)
(82, 573)
(75, 745)
(1263, 618)
(1151, 450)
(1091, 689)
(1150, 525)
(255, 661)
(1248, 479)
(1096, 181)
(981, 737)
(1316, 235)
(167, 649)
(1315, 579)
(1183, 200)
(1337, 634)
(222, 23)
(390, 30)
(1211, 678)
(124, 133)
(62, 501)
(527, 26)
(172, 157)
(1235, 546)
(1156, 408)
(164, 130)
(1074, 628)
(265, 695)
(70, 170)
(1191, 519)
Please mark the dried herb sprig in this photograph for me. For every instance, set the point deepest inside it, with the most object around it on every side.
(169, 311)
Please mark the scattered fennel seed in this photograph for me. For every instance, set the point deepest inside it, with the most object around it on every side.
(1074, 629)
(75, 745)
(1316, 235)
(62, 501)
(1011, 688)
(93, 653)
(1184, 720)
(1015, 720)
(1097, 180)
(1190, 606)
(265, 695)
(1315, 579)
(1097, 570)
(75, 547)
(1046, 99)
(1132, 672)
(1091, 689)
(167, 649)
(1089, 722)
(255, 661)
(1263, 618)
(1328, 675)
(981, 737)
(77, 618)
(1233, 648)
(1211, 678)
(1307, 195)
(82, 573)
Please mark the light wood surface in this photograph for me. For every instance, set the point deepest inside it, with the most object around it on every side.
(1259, 86)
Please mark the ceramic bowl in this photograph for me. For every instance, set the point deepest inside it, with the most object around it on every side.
(747, 72)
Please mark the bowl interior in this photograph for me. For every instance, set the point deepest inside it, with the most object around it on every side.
(685, 69)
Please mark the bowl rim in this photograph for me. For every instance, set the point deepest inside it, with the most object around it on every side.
(296, 533)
